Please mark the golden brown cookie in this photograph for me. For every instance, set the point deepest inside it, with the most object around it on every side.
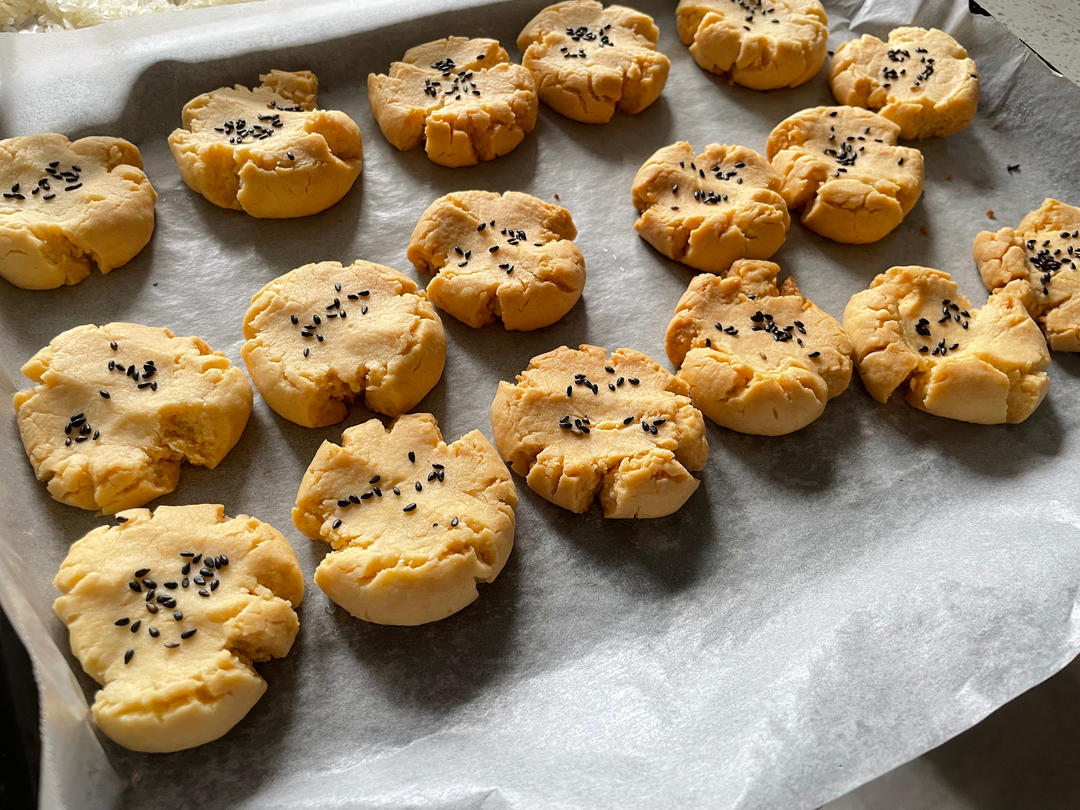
(70, 206)
(168, 610)
(914, 333)
(758, 358)
(842, 167)
(268, 151)
(1043, 254)
(507, 257)
(324, 336)
(579, 423)
(921, 79)
(118, 408)
(761, 44)
(588, 60)
(413, 523)
(707, 211)
(459, 97)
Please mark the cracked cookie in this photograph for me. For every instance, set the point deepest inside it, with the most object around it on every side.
(579, 424)
(588, 60)
(760, 44)
(268, 151)
(120, 407)
(459, 97)
(707, 211)
(325, 335)
(413, 523)
(915, 334)
(758, 358)
(921, 79)
(70, 206)
(507, 257)
(168, 611)
(1043, 254)
(841, 166)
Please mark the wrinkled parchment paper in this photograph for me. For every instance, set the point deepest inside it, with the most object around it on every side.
(827, 605)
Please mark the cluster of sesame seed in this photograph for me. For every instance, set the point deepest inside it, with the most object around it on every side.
(436, 474)
(708, 196)
(209, 574)
(583, 379)
(951, 314)
(1049, 262)
(584, 34)
(764, 322)
(78, 430)
(239, 130)
(69, 180)
(900, 56)
(330, 312)
(460, 83)
(753, 8)
(273, 105)
(578, 425)
(141, 377)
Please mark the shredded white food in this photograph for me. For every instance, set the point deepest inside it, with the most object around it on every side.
(50, 15)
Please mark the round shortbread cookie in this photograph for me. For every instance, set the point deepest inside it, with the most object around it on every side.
(413, 523)
(578, 423)
(842, 167)
(505, 257)
(1043, 254)
(324, 335)
(921, 79)
(758, 358)
(70, 206)
(760, 44)
(267, 150)
(120, 407)
(914, 333)
(588, 60)
(168, 611)
(707, 211)
(459, 97)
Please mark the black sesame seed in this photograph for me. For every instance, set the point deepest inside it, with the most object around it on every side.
(410, 507)
(122, 622)
(172, 644)
(412, 456)
(189, 633)
(128, 656)
(336, 524)
(135, 586)
(203, 592)
(419, 486)
(136, 625)
(153, 631)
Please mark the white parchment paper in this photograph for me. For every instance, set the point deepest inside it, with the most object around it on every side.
(827, 605)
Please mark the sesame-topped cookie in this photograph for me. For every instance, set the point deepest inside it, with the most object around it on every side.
(506, 257)
(758, 358)
(413, 523)
(268, 151)
(118, 408)
(842, 167)
(588, 60)
(709, 210)
(70, 206)
(914, 333)
(325, 335)
(760, 44)
(1043, 254)
(579, 423)
(168, 611)
(459, 97)
(922, 79)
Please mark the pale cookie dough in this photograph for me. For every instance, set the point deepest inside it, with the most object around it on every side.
(268, 151)
(760, 44)
(922, 79)
(915, 334)
(168, 610)
(413, 523)
(70, 206)
(505, 257)
(842, 167)
(709, 210)
(324, 336)
(758, 358)
(588, 60)
(120, 407)
(1043, 253)
(459, 97)
(579, 423)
